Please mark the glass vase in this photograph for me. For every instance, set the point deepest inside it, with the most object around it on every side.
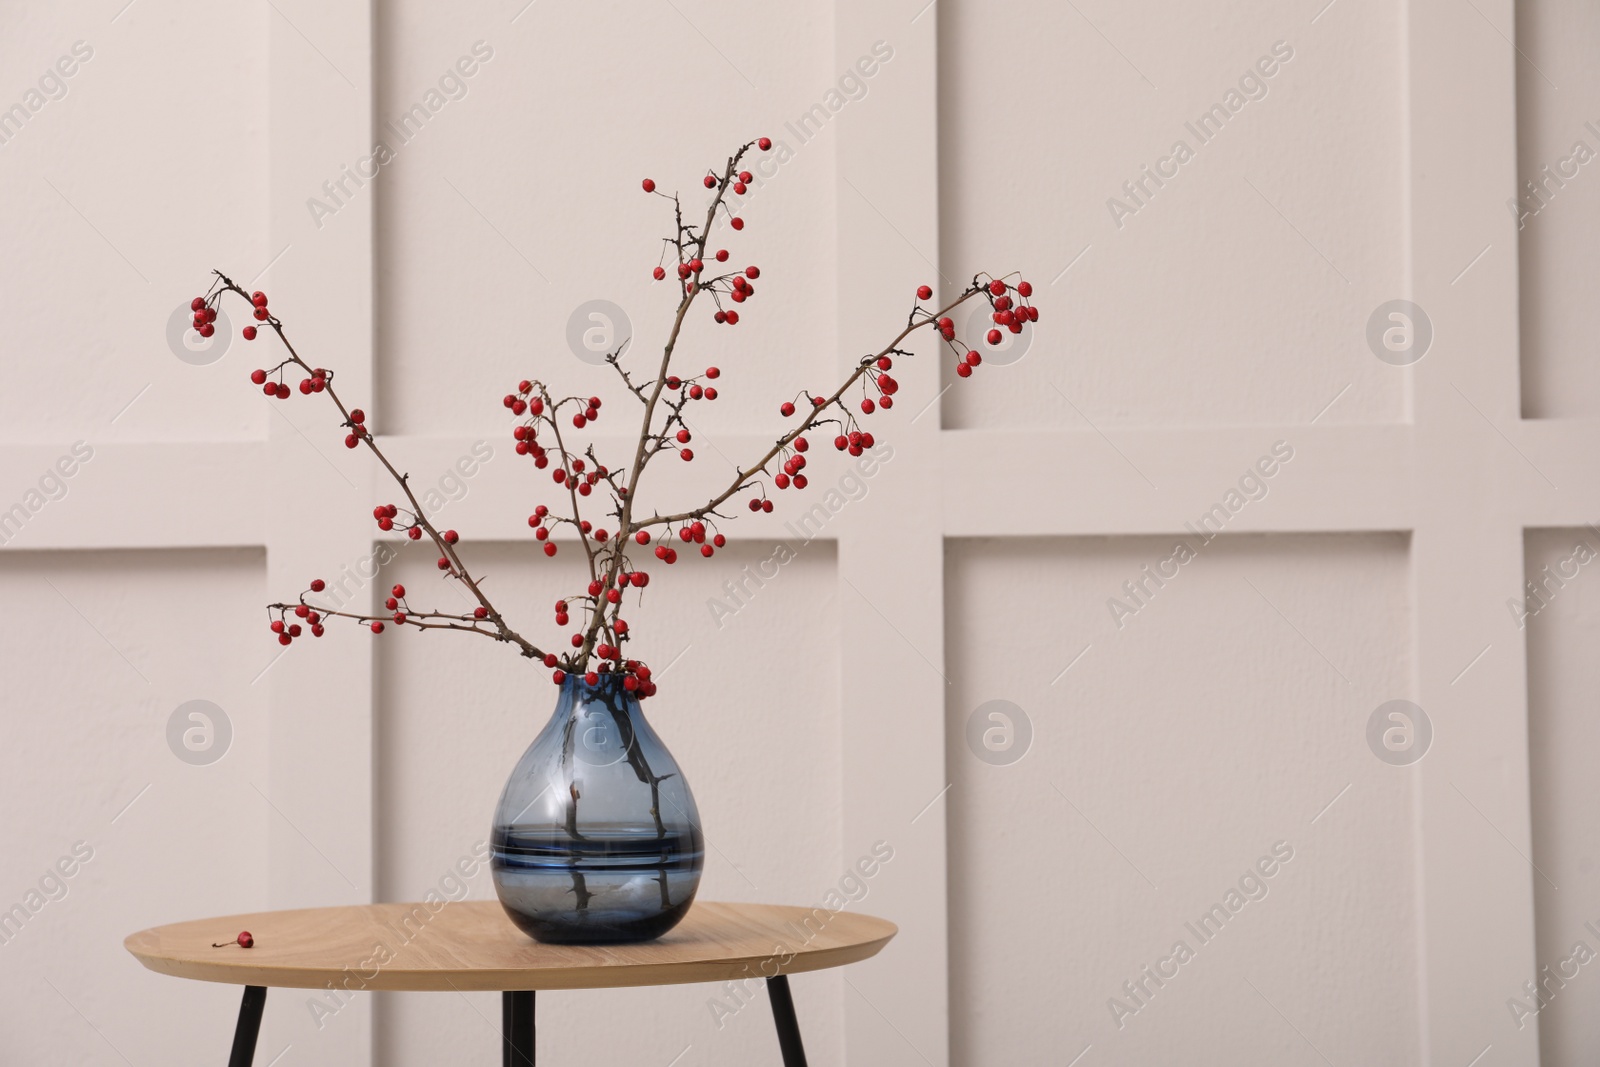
(596, 837)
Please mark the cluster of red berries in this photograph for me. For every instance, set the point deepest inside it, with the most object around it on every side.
(540, 530)
(694, 390)
(1012, 316)
(358, 418)
(635, 675)
(793, 464)
(739, 290)
(388, 517)
(1007, 313)
(855, 442)
(886, 386)
(205, 315)
(316, 383)
(288, 631)
(690, 533)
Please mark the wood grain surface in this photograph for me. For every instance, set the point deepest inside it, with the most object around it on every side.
(471, 945)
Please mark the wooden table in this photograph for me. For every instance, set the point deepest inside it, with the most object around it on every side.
(471, 945)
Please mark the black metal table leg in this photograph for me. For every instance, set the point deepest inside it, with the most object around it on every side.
(516, 1027)
(244, 1035)
(794, 1053)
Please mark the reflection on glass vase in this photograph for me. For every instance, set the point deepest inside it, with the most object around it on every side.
(596, 837)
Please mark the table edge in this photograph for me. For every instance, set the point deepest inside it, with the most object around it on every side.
(733, 968)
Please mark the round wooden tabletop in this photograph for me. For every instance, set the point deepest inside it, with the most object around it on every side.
(472, 945)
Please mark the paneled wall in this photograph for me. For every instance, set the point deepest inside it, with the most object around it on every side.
(1077, 738)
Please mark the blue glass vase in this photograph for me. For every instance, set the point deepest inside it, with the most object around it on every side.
(596, 837)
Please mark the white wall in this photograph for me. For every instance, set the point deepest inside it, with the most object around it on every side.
(1180, 343)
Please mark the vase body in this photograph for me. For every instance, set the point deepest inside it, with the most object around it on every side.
(596, 837)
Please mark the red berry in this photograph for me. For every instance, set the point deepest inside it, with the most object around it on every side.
(711, 182)
(245, 940)
(197, 304)
(706, 550)
(258, 298)
(997, 287)
(205, 329)
(358, 416)
(649, 186)
(451, 537)
(786, 409)
(283, 391)
(444, 563)
(558, 677)
(377, 626)
(1024, 289)
(687, 454)
(259, 377)
(973, 359)
(964, 370)
(736, 222)
(867, 406)
(713, 372)
(261, 314)
(549, 548)
(398, 590)
(764, 144)
(658, 273)
(351, 440)
(924, 292)
(994, 337)
(249, 333)
(766, 506)
(711, 392)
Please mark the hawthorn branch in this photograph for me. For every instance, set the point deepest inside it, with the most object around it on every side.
(746, 476)
(502, 631)
(691, 288)
(411, 618)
